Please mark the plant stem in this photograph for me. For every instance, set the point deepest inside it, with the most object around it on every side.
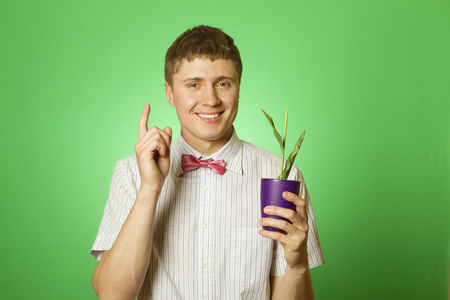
(284, 143)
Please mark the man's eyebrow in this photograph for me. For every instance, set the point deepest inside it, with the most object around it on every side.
(225, 77)
(220, 78)
(192, 79)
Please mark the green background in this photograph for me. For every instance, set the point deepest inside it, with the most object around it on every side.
(368, 80)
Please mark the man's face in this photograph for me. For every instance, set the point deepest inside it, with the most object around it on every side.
(206, 96)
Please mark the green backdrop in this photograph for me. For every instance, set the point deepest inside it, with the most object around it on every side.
(368, 80)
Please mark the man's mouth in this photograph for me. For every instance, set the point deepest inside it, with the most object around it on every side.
(209, 116)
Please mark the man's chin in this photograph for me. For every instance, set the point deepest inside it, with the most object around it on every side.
(217, 135)
(210, 137)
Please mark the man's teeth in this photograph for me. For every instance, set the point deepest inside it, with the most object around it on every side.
(209, 116)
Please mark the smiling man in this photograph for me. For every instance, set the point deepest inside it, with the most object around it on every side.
(182, 220)
(205, 94)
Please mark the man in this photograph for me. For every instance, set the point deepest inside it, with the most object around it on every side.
(170, 232)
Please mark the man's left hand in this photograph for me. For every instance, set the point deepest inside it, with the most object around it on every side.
(295, 240)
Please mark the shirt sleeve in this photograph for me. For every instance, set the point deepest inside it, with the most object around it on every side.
(117, 209)
(315, 255)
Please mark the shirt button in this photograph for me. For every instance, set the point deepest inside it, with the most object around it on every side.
(204, 225)
(203, 266)
(205, 188)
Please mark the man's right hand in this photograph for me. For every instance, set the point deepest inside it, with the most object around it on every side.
(121, 271)
(152, 153)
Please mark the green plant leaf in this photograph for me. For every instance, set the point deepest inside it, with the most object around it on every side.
(275, 132)
(291, 158)
(285, 128)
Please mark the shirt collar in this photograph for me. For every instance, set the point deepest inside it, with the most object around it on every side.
(231, 153)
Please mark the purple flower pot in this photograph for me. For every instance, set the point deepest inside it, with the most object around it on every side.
(271, 194)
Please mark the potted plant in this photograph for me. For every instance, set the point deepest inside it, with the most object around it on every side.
(272, 189)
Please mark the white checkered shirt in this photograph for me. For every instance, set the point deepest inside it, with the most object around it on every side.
(206, 243)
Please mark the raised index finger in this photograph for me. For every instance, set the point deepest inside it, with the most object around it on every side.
(143, 121)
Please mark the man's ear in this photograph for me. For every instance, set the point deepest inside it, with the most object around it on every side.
(169, 93)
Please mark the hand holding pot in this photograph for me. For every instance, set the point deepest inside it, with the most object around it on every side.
(294, 240)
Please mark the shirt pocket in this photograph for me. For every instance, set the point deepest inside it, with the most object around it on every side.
(251, 255)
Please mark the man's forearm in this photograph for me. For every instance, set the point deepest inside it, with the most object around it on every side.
(121, 272)
(296, 284)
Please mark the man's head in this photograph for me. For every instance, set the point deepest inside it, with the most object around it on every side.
(203, 74)
(198, 42)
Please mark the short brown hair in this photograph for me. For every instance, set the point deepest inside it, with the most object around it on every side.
(197, 42)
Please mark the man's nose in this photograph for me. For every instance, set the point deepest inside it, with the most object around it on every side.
(210, 97)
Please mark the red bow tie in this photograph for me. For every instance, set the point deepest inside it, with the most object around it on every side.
(190, 162)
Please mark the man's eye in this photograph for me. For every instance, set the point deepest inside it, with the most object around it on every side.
(223, 84)
(193, 85)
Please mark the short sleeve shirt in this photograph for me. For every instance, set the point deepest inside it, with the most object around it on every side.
(205, 238)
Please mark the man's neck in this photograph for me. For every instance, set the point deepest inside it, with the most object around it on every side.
(207, 148)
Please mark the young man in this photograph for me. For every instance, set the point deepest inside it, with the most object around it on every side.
(171, 230)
